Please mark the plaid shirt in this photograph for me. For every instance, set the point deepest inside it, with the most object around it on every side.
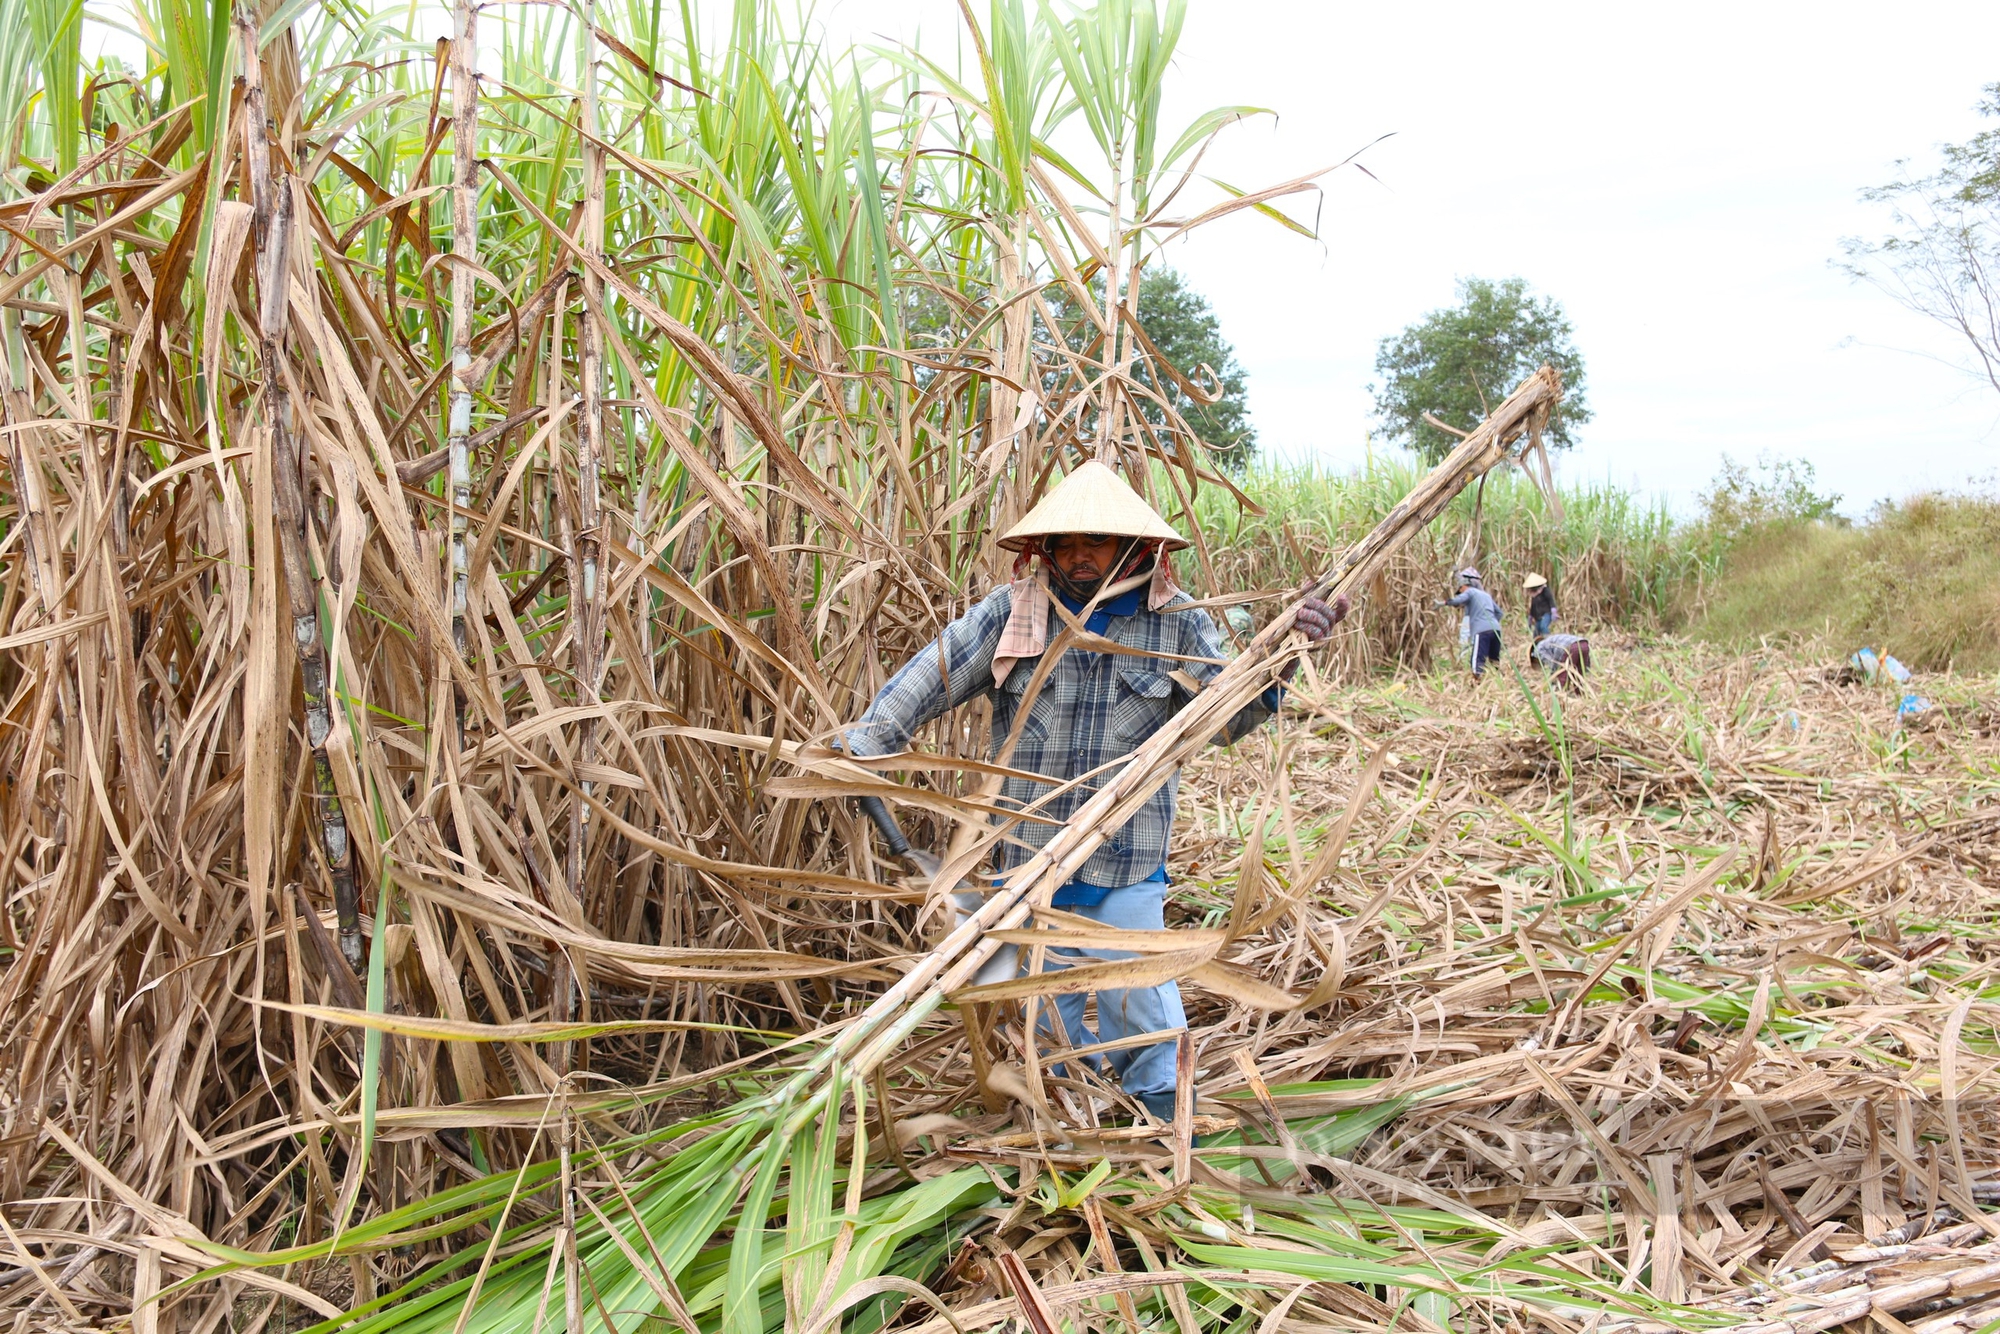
(1093, 709)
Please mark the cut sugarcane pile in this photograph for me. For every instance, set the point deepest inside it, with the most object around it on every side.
(1943, 1282)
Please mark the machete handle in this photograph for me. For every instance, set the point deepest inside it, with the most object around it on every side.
(892, 833)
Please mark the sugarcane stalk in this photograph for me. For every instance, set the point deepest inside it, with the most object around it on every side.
(1016, 335)
(860, 1046)
(1109, 412)
(465, 251)
(44, 576)
(572, 1265)
(590, 351)
(121, 468)
(586, 592)
(40, 554)
(270, 232)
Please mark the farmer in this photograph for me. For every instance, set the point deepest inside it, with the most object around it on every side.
(1482, 618)
(1541, 606)
(1096, 548)
(1566, 657)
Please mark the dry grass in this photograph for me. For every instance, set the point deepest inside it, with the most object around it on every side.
(1718, 938)
(1684, 991)
(502, 673)
(1635, 1009)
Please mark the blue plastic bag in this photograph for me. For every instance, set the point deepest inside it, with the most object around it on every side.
(1873, 662)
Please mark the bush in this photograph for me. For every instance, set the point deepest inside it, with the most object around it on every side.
(1917, 579)
(1780, 491)
(1769, 558)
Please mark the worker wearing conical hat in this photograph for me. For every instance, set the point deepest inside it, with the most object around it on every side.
(1092, 558)
(1541, 607)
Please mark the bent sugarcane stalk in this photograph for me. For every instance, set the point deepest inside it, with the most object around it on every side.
(587, 614)
(863, 1044)
(271, 229)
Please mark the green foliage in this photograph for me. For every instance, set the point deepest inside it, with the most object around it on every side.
(1943, 256)
(1459, 362)
(1612, 557)
(17, 83)
(1777, 491)
(1114, 56)
(43, 43)
(188, 41)
(1184, 328)
(1917, 579)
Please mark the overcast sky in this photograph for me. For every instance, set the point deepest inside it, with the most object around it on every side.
(1678, 177)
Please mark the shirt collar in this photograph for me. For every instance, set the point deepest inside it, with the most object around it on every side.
(1124, 604)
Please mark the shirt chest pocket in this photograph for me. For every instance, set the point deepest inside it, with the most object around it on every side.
(1144, 700)
(1007, 697)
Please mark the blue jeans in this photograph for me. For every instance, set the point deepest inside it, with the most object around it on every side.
(1147, 1073)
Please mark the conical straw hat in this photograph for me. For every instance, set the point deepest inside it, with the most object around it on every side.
(1534, 581)
(1093, 499)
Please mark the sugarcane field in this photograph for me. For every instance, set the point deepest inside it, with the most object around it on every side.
(660, 671)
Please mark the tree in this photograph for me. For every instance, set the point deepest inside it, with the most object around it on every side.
(1457, 364)
(1943, 260)
(1185, 334)
(1182, 326)
(1778, 491)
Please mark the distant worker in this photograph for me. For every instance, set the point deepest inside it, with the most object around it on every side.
(1482, 618)
(1567, 657)
(1541, 607)
(1102, 555)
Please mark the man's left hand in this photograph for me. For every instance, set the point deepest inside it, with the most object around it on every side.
(1317, 618)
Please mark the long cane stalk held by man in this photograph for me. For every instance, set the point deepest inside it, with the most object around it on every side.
(1085, 654)
(1105, 836)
